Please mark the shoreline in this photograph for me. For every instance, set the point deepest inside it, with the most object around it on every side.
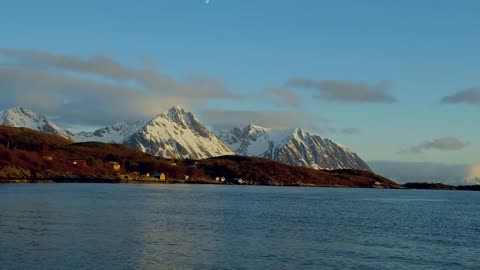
(407, 186)
(189, 182)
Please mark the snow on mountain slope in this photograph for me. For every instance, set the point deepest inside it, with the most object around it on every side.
(295, 147)
(20, 117)
(178, 134)
(116, 133)
(173, 134)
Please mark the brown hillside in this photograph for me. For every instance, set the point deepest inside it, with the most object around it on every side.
(269, 172)
(27, 139)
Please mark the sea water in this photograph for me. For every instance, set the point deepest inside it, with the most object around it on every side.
(121, 226)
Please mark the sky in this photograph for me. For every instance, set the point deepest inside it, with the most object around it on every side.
(393, 80)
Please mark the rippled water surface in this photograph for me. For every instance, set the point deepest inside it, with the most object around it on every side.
(103, 226)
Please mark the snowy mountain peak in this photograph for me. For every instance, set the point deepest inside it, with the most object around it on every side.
(253, 127)
(172, 134)
(20, 117)
(176, 110)
(119, 126)
(20, 110)
(183, 119)
(115, 133)
(178, 134)
(296, 147)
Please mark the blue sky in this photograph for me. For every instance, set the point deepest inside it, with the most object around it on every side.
(416, 51)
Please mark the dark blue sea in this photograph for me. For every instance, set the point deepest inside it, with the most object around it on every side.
(109, 226)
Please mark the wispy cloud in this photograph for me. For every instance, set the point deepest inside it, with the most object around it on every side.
(282, 96)
(349, 131)
(344, 91)
(96, 90)
(470, 96)
(100, 90)
(445, 143)
(106, 67)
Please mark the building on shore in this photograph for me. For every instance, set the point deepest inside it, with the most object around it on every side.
(115, 166)
(160, 176)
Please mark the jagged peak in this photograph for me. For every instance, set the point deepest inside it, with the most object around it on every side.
(253, 127)
(19, 109)
(22, 117)
(22, 111)
(22, 114)
(177, 113)
(119, 125)
(176, 110)
(300, 132)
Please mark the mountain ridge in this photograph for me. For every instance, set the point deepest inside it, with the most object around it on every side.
(295, 147)
(21, 117)
(178, 134)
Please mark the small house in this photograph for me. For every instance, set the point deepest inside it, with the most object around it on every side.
(160, 176)
(79, 162)
(115, 166)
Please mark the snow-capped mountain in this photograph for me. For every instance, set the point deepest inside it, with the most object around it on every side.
(178, 134)
(172, 134)
(116, 133)
(295, 147)
(20, 117)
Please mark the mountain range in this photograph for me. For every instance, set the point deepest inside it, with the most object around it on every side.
(179, 134)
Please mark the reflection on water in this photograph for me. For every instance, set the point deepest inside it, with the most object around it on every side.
(102, 226)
